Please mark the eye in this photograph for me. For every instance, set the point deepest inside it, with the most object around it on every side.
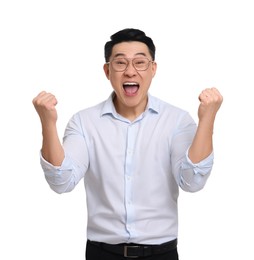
(140, 63)
(120, 61)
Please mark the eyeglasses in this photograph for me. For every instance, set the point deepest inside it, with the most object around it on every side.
(121, 64)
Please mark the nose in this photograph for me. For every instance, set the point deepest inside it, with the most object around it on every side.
(130, 70)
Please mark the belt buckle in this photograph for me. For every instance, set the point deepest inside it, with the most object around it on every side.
(125, 252)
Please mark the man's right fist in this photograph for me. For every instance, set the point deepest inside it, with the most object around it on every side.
(44, 104)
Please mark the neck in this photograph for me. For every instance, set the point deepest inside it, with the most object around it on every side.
(129, 112)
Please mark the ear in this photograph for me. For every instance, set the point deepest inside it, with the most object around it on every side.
(106, 70)
(154, 68)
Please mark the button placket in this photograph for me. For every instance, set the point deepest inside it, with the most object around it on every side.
(131, 138)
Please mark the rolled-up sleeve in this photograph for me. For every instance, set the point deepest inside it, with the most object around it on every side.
(193, 176)
(59, 178)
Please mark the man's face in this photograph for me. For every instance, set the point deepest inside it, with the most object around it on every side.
(131, 85)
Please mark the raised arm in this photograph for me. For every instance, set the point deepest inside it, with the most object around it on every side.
(52, 150)
(202, 145)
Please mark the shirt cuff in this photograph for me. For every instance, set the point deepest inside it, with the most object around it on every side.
(203, 167)
(50, 169)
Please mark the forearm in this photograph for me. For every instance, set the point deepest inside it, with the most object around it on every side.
(52, 149)
(202, 144)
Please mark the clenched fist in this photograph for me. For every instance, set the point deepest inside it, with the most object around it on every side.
(210, 102)
(45, 105)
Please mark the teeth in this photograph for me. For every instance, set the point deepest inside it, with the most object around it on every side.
(131, 83)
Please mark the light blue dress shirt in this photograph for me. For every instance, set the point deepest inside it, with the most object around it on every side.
(132, 170)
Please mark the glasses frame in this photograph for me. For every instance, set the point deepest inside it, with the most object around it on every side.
(128, 63)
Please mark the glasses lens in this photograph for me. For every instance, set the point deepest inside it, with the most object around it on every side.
(141, 63)
(119, 64)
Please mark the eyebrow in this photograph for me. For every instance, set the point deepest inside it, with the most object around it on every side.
(122, 54)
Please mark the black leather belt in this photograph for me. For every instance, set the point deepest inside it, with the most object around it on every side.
(136, 250)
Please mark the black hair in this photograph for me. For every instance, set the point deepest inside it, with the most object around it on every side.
(127, 35)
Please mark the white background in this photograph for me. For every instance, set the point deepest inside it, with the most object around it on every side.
(57, 45)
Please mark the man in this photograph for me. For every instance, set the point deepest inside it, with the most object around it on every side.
(133, 151)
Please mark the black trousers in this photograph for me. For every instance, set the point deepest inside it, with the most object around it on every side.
(94, 252)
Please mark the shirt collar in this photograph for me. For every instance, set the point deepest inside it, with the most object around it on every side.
(109, 108)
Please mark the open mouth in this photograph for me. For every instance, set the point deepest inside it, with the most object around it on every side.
(130, 88)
